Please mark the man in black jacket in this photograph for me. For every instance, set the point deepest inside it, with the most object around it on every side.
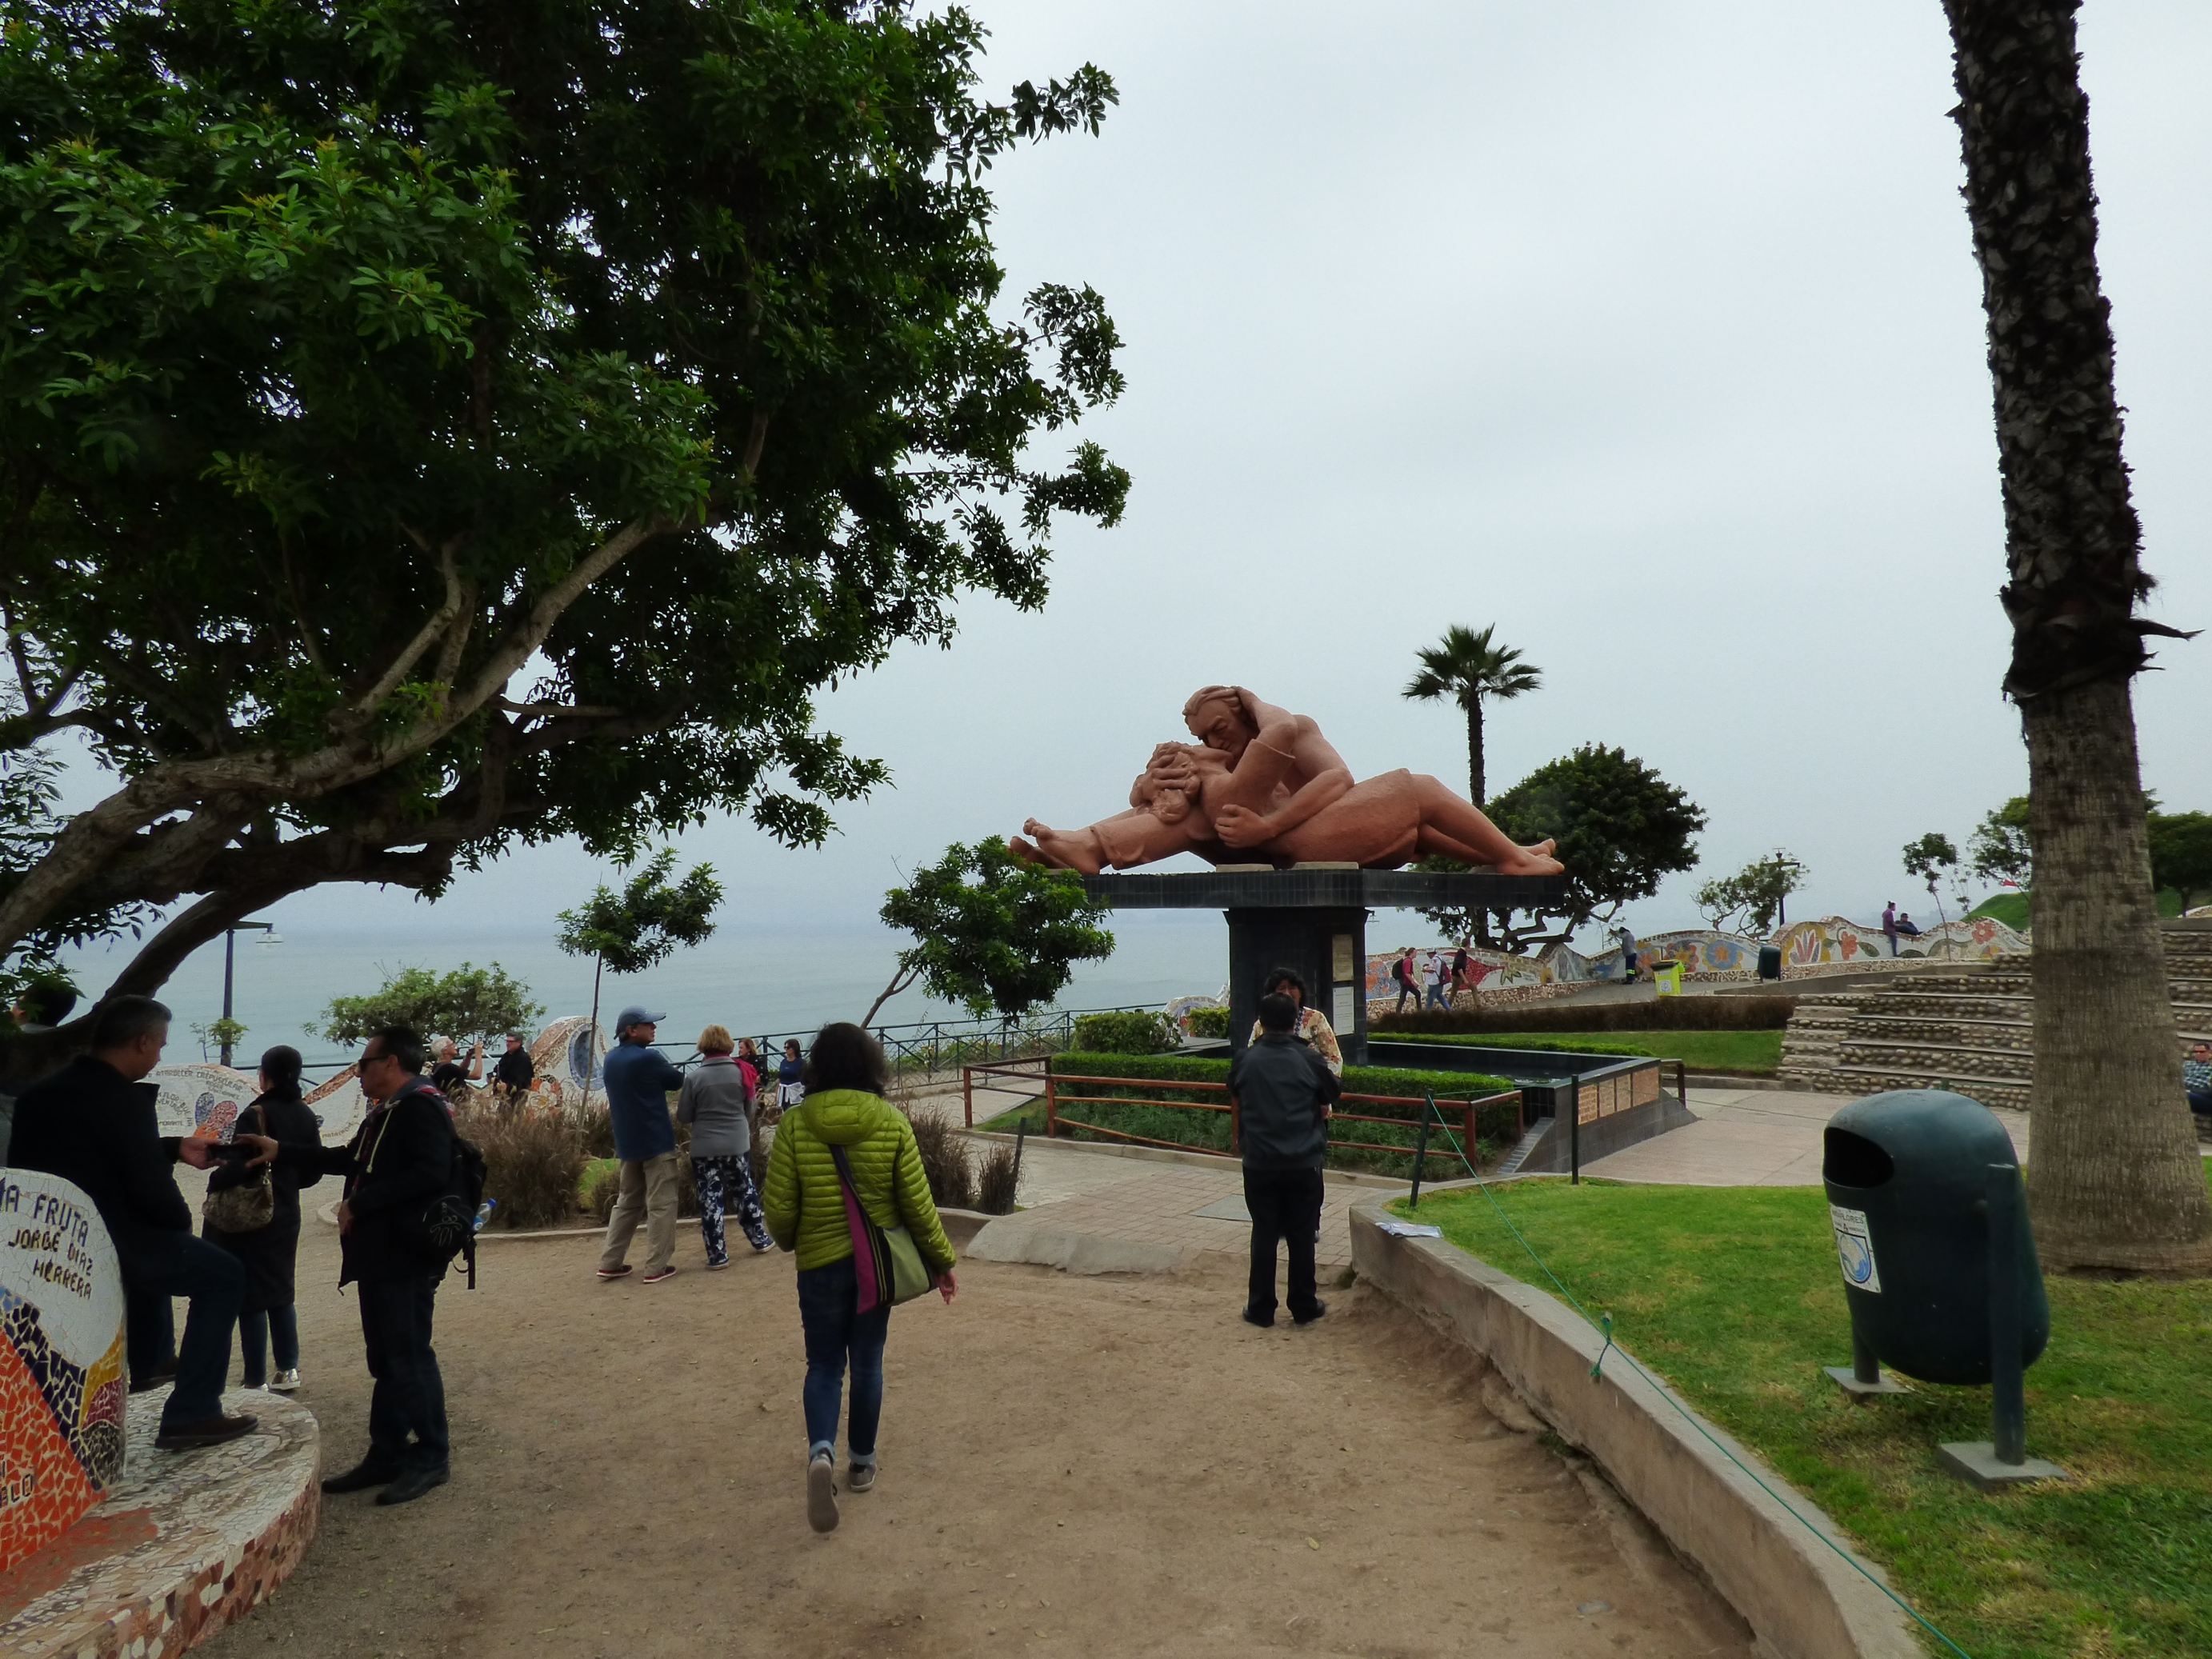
(93, 1123)
(1284, 1094)
(398, 1162)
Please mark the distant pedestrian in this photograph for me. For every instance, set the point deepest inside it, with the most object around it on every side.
(268, 1317)
(790, 1077)
(843, 1154)
(401, 1156)
(1462, 968)
(638, 1079)
(1311, 1028)
(1284, 1096)
(1906, 926)
(749, 1063)
(717, 1103)
(448, 1075)
(1889, 925)
(2197, 1079)
(1628, 957)
(1439, 982)
(1409, 981)
(514, 1072)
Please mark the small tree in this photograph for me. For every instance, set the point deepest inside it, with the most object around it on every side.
(992, 931)
(1465, 667)
(1621, 829)
(469, 1003)
(2000, 849)
(1756, 892)
(1928, 859)
(224, 1035)
(645, 923)
(2181, 854)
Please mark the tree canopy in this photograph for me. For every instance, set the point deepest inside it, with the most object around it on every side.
(993, 931)
(2181, 856)
(426, 428)
(1465, 668)
(1752, 897)
(1621, 829)
(471, 1002)
(1999, 846)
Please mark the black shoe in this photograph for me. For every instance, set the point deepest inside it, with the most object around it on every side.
(413, 1484)
(1265, 1321)
(155, 1378)
(208, 1431)
(361, 1476)
(1319, 1309)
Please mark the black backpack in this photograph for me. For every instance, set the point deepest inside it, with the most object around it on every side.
(447, 1225)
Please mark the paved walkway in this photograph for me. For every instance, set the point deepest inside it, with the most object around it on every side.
(1748, 1138)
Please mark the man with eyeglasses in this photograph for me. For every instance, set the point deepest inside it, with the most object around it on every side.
(398, 1162)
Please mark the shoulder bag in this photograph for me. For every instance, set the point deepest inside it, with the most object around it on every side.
(886, 1259)
(247, 1206)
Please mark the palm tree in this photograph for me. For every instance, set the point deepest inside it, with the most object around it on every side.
(2116, 1182)
(1466, 668)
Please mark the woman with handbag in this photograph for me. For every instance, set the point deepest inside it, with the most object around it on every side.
(845, 1191)
(263, 1207)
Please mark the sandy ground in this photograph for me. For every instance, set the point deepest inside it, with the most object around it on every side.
(1070, 1466)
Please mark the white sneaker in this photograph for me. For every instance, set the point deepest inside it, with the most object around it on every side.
(822, 1493)
(284, 1382)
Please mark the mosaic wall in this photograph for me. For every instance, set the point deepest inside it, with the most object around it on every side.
(185, 1543)
(61, 1384)
(1706, 953)
(206, 1098)
(567, 1054)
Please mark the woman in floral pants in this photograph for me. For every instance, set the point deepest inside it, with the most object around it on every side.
(716, 1101)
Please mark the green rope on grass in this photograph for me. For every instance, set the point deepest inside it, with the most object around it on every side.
(1691, 1418)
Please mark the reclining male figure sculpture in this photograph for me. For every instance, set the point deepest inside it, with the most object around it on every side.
(1263, 785)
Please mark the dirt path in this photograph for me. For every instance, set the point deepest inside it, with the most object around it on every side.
(1096, 1466)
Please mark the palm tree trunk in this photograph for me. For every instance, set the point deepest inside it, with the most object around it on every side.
(2114, 1180)
(1475, 793)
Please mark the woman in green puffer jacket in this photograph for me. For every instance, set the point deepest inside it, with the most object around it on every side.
(805, 1201)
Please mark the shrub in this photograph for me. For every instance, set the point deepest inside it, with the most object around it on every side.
(946, 1162)
(600, 1198)
(1207, 1022)
(1135, 1032)
(534, 1160)
(1714, 1013)
(997, 1176)
(595, 1123)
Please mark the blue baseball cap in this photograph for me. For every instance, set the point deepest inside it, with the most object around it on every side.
(630, 1017)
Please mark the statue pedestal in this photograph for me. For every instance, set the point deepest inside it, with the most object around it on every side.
(1312, 919)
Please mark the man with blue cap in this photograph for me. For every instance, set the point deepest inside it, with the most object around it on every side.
(639, 1080)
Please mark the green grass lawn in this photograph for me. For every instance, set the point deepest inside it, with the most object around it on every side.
(1733, 1295)
(2010, 908)
(1757, 1052)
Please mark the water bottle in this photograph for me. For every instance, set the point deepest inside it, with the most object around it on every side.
(483, 1213)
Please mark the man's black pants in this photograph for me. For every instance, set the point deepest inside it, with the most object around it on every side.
(215, 1280)
(409, 1396)
(1285, 1204)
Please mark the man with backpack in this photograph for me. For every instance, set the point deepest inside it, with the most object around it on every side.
(1404, 972)
(404, 1217)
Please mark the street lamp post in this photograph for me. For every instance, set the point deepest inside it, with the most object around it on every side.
(229, 961)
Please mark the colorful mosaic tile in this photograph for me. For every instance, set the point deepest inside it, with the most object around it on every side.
(61, 1360)
(184, 1543)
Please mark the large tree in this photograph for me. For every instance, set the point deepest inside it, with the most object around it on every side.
(433, 426)
(2114, 1180)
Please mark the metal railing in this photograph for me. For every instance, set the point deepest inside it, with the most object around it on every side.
(1056, 1096)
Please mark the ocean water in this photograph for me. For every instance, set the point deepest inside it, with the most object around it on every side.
(749, 977)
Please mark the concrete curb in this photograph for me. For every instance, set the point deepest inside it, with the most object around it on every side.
(1802, 1598)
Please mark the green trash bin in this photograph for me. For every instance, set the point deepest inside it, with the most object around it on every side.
(1909, 1175)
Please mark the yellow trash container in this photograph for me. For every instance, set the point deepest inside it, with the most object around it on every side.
(1667, 976)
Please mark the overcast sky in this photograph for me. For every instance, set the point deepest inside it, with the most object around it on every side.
(1650, 333)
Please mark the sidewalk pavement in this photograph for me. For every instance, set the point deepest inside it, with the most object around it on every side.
(1748, 1138)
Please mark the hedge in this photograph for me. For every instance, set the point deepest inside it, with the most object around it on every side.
(1714, 1013)
(1495, 1125)
(1549, 1045)
(1132, 1031)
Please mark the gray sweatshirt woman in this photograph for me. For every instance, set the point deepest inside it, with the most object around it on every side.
(716, 1102)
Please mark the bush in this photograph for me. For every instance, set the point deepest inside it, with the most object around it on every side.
(1132, 1033)
(997, 1176)
(946, 1162)
(595, 1123)
(1208, 1021)
(535, 1162)
(1716, 1013)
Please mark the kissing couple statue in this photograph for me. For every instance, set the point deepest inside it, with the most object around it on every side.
(1262, 785)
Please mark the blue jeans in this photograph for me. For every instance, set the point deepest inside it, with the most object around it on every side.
(1439, 997)
(827, 1299)
(215, 1281)
(2200, 1101)
(254, 1331)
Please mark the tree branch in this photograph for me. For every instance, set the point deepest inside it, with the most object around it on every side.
(442, 619)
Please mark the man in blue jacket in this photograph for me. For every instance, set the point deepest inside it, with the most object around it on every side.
(638, 1079)
(1284, 1095)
